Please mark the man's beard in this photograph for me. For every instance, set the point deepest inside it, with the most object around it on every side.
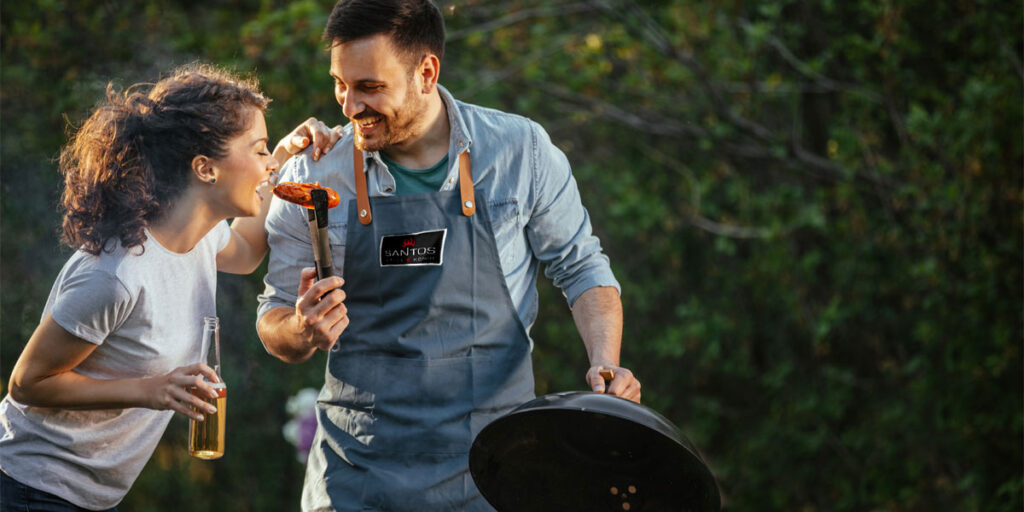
(394, 129)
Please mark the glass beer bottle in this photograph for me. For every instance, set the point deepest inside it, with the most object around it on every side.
(206, 438)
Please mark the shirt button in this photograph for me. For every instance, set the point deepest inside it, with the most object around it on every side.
(388, 189)
(451, 180)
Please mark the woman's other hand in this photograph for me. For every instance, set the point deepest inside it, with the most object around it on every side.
(311, 132)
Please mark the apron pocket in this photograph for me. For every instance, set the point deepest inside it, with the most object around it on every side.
(500, 384)
(416, 407)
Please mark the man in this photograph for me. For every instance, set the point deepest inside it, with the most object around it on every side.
(447, 211)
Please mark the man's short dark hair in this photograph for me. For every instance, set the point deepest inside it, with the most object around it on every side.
(416, 27)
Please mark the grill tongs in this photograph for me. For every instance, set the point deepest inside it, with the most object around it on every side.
(316, 200)
(317, 217)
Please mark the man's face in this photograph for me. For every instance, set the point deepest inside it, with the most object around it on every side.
(379, 91)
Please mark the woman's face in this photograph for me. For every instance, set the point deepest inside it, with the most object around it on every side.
(244, 169)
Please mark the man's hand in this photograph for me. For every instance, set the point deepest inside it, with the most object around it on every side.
(320, 312)
(312, 131)
(598, 316)
(623, 382)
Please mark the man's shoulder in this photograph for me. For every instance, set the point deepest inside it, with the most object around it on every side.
(332, 169)
(482, 111)
(492, 120)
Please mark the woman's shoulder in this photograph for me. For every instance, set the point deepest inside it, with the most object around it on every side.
(114, 271)
(89, 292)
(95, 271)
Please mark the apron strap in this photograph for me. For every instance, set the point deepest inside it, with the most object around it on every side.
(466, 185)
(363, 198)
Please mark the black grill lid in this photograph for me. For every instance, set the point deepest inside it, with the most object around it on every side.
(589, 451)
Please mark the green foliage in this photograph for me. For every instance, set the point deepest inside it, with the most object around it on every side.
(814, 209)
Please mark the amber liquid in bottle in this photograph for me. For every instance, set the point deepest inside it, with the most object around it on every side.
(206, 438)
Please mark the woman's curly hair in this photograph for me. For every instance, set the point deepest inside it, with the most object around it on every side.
(132, 157)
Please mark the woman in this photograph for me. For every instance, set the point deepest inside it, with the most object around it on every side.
(150, 179)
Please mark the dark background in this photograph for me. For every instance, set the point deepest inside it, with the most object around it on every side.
(814, 208)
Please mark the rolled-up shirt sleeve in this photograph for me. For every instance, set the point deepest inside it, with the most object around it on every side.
(290, 247)
(559, 229)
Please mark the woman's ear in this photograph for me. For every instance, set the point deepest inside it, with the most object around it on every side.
(202, 167)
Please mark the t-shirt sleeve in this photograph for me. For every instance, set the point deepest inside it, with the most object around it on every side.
(222, 235)
(91, 305)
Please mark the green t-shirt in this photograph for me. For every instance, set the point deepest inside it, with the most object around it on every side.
(415, 181)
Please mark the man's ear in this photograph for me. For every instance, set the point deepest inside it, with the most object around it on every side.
(428, 71)
(202, 167)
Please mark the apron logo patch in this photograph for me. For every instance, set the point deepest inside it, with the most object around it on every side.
(423, 248)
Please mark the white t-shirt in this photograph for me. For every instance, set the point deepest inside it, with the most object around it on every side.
(145, 312)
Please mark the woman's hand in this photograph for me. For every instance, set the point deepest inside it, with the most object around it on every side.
(180, 391)
(310, 131)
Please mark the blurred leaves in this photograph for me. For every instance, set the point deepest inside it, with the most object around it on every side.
(814, 209)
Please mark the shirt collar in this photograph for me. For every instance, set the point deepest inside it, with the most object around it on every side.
(458, 134)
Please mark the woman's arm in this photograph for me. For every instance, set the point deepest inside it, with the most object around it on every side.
(43, 377)
(248, 243)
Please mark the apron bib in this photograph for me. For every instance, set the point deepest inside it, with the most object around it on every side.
(434, 351)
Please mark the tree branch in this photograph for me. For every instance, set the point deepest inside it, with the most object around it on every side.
(646, 28)
(493, 78)
(518, 16)
(656, 36)
(692, 211)
(1014, 59)
(645, 122)
(726, 230)
(803, 68)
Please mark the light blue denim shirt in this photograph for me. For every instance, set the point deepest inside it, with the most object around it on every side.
(532, 198)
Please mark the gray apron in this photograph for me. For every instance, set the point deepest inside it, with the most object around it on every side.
(434, 352)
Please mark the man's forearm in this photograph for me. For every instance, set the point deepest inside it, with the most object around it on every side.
(277, 329)
(598, 316)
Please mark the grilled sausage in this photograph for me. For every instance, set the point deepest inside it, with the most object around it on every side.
(298, 193)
